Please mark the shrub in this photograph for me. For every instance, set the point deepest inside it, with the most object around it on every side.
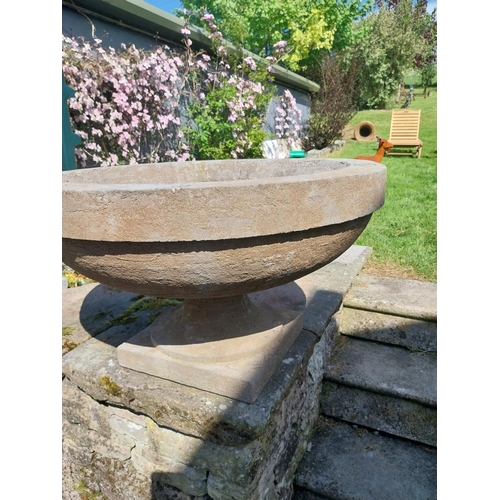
(333, 106)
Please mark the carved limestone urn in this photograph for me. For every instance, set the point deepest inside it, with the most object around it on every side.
(211, 232)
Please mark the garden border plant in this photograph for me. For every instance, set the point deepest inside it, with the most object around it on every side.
(136, 106)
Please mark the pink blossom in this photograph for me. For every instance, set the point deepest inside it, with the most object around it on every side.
(184, 156)
(280, 45)
(132, 99)
(251, 63)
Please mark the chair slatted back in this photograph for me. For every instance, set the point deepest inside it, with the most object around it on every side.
(405, 125)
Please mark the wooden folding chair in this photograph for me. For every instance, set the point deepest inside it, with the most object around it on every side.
(405, 125)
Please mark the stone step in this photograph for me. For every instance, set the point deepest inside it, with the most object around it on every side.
(399, 297)
(382, 387)
(414, 334)
(392, 415)
(390, 370)
(351, 462)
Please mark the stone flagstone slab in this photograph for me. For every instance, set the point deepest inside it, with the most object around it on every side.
(409, 298)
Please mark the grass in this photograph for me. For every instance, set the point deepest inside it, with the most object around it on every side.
(403, 233)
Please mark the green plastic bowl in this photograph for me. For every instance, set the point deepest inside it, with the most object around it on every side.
(297, 153)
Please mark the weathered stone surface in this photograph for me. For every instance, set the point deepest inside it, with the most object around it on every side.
(412, 333)
(188, 479)
(208, 268)
(103, 478)
(300, 493)
(94, 367)
(170, 439)
(93, 306)
(392, 415)
(248, 471)
(236, 364)
(409, 298)
(384, 369)
(351, 462)
(214, 229)
(217, 200)
(88, 428)
(93, 309)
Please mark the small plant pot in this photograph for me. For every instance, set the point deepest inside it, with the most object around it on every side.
(364, 131)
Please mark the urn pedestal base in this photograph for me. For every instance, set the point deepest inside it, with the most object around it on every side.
(228, 346)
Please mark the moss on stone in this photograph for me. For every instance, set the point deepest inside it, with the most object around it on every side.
(99, 316)
(67, 330)
(68, 344)
(86, 493)
(142, 304)
(112, 387)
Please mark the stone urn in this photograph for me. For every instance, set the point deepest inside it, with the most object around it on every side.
(212, 232)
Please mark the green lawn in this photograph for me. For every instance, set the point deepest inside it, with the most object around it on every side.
(403, 232)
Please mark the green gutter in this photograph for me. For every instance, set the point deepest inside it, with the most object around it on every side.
(139, 15)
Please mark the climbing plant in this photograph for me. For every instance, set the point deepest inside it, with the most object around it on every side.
(229, 108)
(136, 106)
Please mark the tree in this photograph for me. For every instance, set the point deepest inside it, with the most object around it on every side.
(310, 27)
(394, 38)
(426, 60)
(425, 26)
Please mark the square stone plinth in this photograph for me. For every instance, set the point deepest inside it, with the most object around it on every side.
(240, 377)
(133, 436)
